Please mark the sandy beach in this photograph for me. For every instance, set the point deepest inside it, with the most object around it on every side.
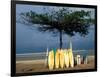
(26, 64)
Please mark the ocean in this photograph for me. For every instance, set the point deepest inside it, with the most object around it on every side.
(42, 55)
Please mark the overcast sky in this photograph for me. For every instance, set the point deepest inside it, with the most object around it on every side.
(28, 40)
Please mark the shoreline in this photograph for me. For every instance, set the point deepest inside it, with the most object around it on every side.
(40, 66)
(38, 56)
(74, 51)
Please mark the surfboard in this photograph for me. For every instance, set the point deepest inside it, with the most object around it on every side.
(61, 58)
(46, 58)
(54, 50)
(66, 58)
(51, 60)
(78, 59)
(71, 58)
(57, 58)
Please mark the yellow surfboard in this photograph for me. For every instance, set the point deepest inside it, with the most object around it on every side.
(57, 59)
(51, 60)
(71, 58)
(66, 58)
(61, 58)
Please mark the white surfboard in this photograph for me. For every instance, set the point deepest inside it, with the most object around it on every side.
(66, 58)
(61, 58)
(46, 58)
(71, 58)
(51, 60)
(78, 59)
(57, 59)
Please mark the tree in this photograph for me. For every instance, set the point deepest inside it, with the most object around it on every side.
(64, 21)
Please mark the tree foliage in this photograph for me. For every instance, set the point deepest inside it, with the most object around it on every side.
(64, 21)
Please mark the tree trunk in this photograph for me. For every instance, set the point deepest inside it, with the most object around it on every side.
(60, 39)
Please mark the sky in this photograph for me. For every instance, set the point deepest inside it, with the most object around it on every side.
(31, 40)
